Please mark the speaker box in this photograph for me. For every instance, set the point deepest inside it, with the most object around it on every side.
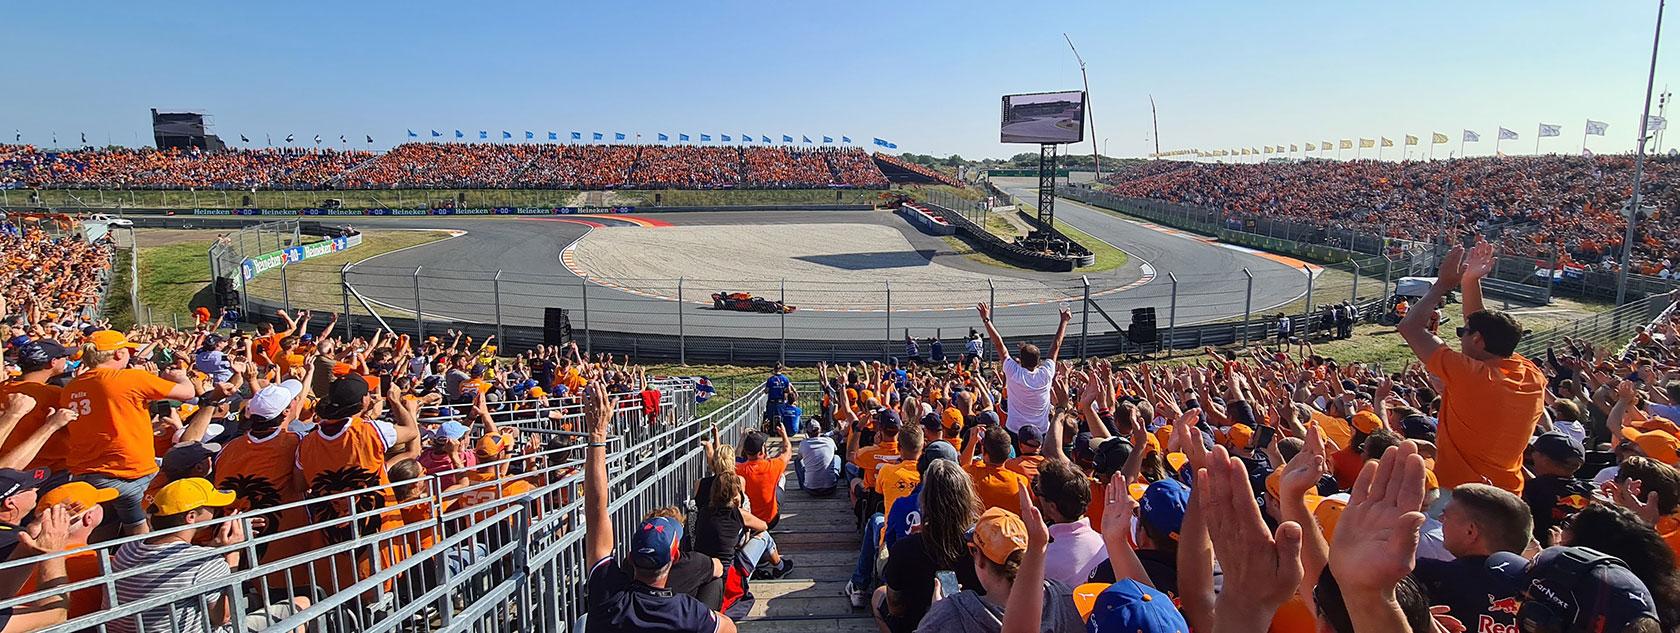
(1143, 330)
(557, 327)
(224, 293)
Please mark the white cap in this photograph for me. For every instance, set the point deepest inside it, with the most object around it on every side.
(273, 399)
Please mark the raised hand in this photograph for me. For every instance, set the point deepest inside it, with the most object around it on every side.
(1118, 508)
(985, 311)
(1306, 468)
(49, 533)
(1038, 533)
(1376, 539)
(19, 404)
(1262, 569)
(1479, 261)
(1452, 268)
(597, 411)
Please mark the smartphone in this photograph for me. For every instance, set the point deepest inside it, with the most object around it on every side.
(1264, 437)
(947, 582)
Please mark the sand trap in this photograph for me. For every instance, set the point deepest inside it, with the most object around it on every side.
(833, 266)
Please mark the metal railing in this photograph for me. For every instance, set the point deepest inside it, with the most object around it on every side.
(1604, 328)
(504, 552)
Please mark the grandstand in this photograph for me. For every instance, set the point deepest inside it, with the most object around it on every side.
(451, 166)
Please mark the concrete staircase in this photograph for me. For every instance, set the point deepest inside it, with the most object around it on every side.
(822, 538)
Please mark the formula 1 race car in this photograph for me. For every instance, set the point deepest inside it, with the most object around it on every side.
(746, 302)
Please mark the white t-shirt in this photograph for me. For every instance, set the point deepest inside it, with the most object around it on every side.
(1029, 393)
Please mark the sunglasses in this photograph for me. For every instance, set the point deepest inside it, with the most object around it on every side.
(1461, 331)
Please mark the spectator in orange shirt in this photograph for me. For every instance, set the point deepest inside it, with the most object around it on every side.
(994, 485)
(40, 361)
(1027, 463)
(1493, 396)
(82, 502)
(763, 474)
(111, 402)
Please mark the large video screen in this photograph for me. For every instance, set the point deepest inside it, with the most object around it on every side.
(1044, 117)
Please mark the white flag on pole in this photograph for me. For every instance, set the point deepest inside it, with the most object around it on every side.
(1547, 129)
(1471, 137)
(1596, 128)
(1655, 123)
(1507, 135)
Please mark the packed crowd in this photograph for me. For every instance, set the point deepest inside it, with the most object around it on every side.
(454, 165)
(928, 172)
(277, 168)
(1542, 202)
(138, 455)
(46, 271)
(1472, 489)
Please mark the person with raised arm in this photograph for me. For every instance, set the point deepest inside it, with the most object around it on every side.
(633, 596)
(1028, 376)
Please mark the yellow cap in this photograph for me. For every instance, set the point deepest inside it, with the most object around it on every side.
(192, 493)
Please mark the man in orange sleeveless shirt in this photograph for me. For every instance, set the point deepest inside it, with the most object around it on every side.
(346, 452)
(40, 361)
(112, 404)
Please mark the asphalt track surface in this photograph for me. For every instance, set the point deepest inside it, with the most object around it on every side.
(456, 280)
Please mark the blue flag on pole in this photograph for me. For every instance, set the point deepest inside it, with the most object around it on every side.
(435, 134)
(880, 142)
(767, 139)
(458, 134)
(828, 139)
(598, 136)
(483, 135)
(577, 136)
(787, 139)
(663, 137)
(892, 145)
(682, 137)
(411, 134)
(618, 136)
(704, 138)
(506, 134)
(725, 138)
(553, 137)
(807, 139)
(529, 135)
(746, 138)
(845, 139)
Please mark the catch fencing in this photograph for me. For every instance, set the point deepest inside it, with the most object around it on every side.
(496, 547)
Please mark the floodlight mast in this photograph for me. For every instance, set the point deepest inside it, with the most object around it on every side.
(1096, 158)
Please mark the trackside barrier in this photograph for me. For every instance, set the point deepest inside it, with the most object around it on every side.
(495, 546)
(1604, 328)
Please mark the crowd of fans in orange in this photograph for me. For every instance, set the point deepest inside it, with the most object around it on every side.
(454, 165)
(1571, 203)
(929, 172)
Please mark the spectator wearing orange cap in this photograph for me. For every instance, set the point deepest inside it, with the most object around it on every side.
(111, 402)
(83, 503)
(998, 547)
(1493, 396)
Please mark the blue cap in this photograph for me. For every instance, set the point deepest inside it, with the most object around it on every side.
(1592, 590)
(1030, 434)
(655, 544)
(1163, 506)
(452, 430)
(1132, 607)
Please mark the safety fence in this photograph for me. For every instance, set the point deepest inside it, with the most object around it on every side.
(1528, 279)
(498, 546)
(1613, 327)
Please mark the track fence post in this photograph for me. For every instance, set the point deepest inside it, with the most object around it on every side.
(1172, 315)
(583, 287)
(419, 321)
(1248, 304)
(1355, 294)
(782, 355)
(285, 287)
(991, 292)
(682, 333)
(1085, 318)
(1307, 313)
(344, 294)
(1388, 271)
(496, 287)
(889, 314)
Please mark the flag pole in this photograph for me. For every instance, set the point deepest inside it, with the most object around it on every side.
(1639, 164)
(1583, 140)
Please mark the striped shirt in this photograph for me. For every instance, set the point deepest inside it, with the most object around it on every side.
(170, 567)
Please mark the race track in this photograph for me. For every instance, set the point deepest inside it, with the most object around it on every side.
(459, 281)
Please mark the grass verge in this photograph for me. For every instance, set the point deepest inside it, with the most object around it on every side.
(314, 284)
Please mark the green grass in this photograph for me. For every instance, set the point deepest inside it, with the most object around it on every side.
(313, 284)
(173, 278)
(119, 303)
(1107, 257)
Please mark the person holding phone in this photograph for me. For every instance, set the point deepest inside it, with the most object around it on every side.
(997, 546)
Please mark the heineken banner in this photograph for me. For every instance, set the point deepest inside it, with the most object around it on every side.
(419, 212)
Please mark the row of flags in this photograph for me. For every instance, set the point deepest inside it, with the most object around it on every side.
(1546, 130)
(484, 135)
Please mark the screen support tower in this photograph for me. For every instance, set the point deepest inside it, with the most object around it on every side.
(1047, 184)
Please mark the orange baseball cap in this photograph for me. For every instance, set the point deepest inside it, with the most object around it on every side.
(1366, 421)
(492, 445)
(999, 534)
(1239, 435)
(1085, 597)
(1328, 513)
(78, 493)
(110, 341)
(1658, 445)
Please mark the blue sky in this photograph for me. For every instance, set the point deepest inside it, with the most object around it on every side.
(926, 75)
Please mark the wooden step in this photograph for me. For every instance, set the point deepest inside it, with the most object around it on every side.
(800, 598)
(861, 623)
